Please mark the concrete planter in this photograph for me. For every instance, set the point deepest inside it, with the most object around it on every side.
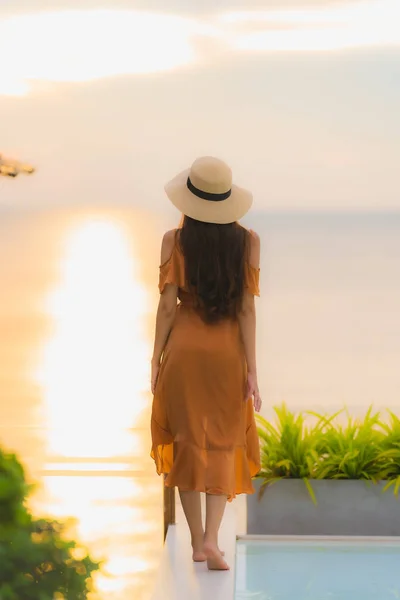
(344, 508)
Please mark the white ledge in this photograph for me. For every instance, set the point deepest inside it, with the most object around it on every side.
(181, 579)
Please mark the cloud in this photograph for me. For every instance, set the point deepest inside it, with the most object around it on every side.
(371, 23)
(83, 45)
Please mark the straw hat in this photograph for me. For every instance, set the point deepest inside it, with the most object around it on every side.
(205, 192)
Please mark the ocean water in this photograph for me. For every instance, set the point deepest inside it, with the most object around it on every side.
(77, 308)
(329, 316)
(74, 401)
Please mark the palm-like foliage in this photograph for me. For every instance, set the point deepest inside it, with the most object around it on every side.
(12, 168)
(354, 450)
(290, 449)
(391, 445)
(365, 448)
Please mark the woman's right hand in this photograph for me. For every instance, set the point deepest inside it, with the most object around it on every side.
(253, 392)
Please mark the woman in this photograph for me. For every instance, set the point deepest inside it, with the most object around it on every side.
(204, 372)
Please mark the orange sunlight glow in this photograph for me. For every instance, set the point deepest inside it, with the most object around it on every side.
(94, 371)
(94, 378)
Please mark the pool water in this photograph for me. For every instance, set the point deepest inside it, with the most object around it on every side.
(317, 571)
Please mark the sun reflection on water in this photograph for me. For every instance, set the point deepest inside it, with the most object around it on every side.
(94, 375)
(95, 369)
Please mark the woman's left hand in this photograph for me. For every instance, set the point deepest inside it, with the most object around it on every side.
(155, 368)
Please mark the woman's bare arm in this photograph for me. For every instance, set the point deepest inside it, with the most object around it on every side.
(247, 323)
(167, 303)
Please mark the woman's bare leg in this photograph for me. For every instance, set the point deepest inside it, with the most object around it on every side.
(215, 507)
(192, 508)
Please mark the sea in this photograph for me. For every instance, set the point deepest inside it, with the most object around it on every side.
(78, 295)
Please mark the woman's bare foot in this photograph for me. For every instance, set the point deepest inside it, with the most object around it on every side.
(215, 561)
(200, 556)
(198, 552)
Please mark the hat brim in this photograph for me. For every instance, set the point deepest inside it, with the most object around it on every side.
(222, 212)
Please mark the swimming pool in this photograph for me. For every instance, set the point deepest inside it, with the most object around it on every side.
(317, 570)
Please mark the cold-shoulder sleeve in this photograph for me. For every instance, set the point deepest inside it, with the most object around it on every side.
(251, 273)
(172, 271)
(252, 279)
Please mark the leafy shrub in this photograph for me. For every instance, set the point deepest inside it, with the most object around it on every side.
(36, 561)
(391, 443)
(354, 451)
(366, 449)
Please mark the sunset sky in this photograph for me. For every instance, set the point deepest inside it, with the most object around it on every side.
(110, 99)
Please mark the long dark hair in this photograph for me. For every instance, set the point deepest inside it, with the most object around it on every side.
(214, 266)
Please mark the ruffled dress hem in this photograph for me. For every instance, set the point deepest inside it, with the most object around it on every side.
(227, 472)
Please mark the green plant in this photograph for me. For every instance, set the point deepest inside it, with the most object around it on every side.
(354, 450)
(37, 562)
(13, 491)
(391, 444)
(289, 449)
(366, 449)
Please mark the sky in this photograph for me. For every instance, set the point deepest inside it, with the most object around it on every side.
(110, 99)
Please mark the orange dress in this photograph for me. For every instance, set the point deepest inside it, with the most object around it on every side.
(204, 435)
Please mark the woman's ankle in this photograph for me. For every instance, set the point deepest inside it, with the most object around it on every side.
(197, 539)
(211, 538)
